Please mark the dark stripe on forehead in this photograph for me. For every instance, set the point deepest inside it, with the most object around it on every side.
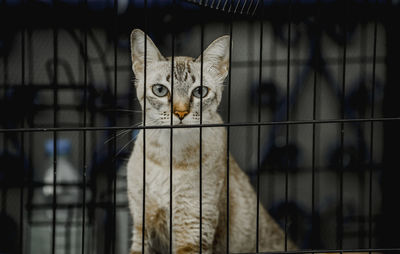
(190, 70)
(180, 67)
(168, 77)
(180, 72)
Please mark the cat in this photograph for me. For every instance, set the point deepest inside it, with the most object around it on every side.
(187, 92)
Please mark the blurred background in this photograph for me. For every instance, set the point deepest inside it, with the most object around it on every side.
(329, 179)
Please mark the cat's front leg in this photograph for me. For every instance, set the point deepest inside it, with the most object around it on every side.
(186, 232)
(137, 240)
(187, 241)
(135, 205)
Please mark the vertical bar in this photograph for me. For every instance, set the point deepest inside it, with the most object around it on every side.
(259, 126)
(5, 87)
(249, 79)
(201, 134)
(341, 170)
(92, 121)
(55, 124)
(316, 64)
(30, 57)
(5, 83)
(30, 123)
(171, 138)
(21, 198)
(371, 149)
(67, 235)
(144, 124)
(287, 118)
(114, 210)
(228, 127)
(389, 175)
(361, 173)
(4, 6)
(313, 219)
(84, 166)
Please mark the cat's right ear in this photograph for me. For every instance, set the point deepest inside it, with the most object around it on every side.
(138, 51)
(217, 56)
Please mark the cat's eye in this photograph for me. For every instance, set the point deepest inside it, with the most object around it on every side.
(159, 90)
(200, 91)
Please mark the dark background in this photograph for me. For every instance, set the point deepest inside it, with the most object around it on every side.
(329, 179)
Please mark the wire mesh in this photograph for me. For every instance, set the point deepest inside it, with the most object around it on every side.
(232, 6)
(360, 128)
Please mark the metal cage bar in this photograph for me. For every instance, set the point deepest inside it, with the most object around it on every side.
(21, 198)
(313, 168)
(144, 124)
(171, 157)
(342, 130)
(232, 124)
(259, 130)
(371, 148)
(114, 143)
(55, 125)
(85, 106)
(87, 124)
(289, 34)
(201, 137)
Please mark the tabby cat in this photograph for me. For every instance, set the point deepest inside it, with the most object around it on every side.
(156, 95)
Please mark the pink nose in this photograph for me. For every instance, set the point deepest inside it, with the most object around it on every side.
(181, 114)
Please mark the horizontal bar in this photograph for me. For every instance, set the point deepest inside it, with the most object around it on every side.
(249, 124)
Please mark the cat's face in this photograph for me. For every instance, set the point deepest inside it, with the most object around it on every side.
(186, 79)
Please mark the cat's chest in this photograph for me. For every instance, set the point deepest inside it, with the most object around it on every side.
(184, 171)
(159, 184)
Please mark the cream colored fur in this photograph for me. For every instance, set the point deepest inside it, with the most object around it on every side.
(185, 163)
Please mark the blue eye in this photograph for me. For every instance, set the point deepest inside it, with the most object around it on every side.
(159, 90)
(199, 92)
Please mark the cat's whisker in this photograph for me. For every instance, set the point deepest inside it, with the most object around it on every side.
(126, 145)
(123, 110)
(130, 110)
(152, 121)
(122, 132)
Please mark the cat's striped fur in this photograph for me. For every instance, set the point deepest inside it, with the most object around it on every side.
(185, 163)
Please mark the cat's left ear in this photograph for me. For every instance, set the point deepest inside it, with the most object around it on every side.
(216, 56)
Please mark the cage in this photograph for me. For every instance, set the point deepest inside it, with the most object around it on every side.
(310, 108)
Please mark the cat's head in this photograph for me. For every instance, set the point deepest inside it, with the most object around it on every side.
(186, 80)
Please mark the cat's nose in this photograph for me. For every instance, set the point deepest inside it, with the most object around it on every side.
(181, 114)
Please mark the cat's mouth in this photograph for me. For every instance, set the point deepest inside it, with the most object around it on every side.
(179, 122)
